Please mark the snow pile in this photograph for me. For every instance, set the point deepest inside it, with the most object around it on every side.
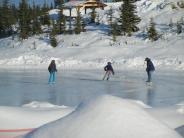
(32, 115)
(43, 105)
(105, 117)
(181, 108)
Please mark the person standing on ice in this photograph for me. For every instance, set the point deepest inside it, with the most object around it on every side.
(109, 70)
(149, 69)
(52, 70)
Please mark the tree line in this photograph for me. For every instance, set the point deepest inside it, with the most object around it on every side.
(25, 19)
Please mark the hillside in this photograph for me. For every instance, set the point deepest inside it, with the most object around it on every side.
(93, 48)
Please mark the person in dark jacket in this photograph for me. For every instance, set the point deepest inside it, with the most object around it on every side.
(149, 69)
(109, 70)
(52, 70)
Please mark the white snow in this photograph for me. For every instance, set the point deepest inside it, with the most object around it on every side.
(32, 115)
(93, 48)
(180, 108)
(105, 117)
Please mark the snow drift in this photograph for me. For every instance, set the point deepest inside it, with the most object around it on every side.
(105, 117)
(32, 115)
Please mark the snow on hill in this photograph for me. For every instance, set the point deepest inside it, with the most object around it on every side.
(93, 48)
(105, 117)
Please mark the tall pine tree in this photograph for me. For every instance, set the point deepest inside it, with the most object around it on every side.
(24, 19)
(1, 25)
(110, 16)
(61, 20)
(114, 31)
(93, 15)
(53, 33)
(78, 23)
(45, 19)
(36, 26)
(152, 33)
(128, 17)
(7, 18)
(179, 27)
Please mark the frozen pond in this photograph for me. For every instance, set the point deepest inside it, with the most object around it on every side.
(18, 87)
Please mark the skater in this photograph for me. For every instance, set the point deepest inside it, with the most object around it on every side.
(109, 70)
(149, 69)
(52, 70)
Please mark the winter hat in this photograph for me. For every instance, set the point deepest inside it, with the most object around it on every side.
(109, 63)
(147, 59)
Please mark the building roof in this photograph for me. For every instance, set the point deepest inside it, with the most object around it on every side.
(92, 4)
(85, 4)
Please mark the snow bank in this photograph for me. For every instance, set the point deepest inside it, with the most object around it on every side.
(32, 115)
(181, 108)
(105, 117)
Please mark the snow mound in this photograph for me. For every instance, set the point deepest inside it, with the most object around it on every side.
(180, 108)
(32, 115)
(42, 105)
(105, 117)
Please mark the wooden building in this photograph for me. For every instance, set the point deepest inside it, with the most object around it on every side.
(90, 4)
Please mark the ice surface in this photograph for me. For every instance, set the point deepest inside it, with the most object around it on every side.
(31, 97)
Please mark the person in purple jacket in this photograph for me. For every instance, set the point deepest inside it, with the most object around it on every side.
(52, 70)
(109, 70)
(149, 69)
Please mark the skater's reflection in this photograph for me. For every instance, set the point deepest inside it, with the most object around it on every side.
(150, 96)
(52, 95)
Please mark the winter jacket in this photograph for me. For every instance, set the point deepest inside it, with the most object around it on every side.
(52, 68)
(109, 68)
(150, 66)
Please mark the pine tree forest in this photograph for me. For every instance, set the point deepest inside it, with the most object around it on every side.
(27, 19)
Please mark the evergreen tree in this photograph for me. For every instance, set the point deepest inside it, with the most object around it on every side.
(7, 18)
(36, 26)
(51, 6)
(110, 17)
(45, 19)
(61, 20)
(14, 11)
(53, 33)
(152, 33)
(114, 31)
(78, 23)
(171, 24)
(1, 24)
(83, 25)
(179, 28)
(93, 15)
(128, 18)
(24, 19)
(53, 41)
(97, 19)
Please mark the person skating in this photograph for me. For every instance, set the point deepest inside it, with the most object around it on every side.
(52, 70)
(149, 69)
(109, 70)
